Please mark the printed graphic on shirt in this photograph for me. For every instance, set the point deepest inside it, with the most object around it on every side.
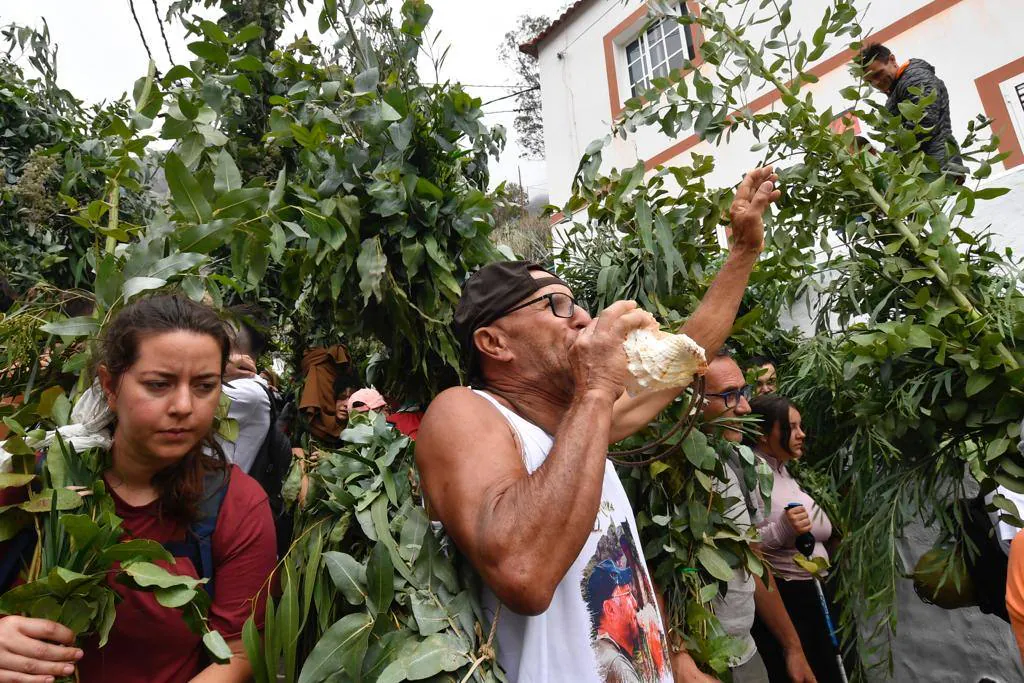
(625, 632)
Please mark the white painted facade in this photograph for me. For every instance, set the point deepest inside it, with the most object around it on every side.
(963, 39)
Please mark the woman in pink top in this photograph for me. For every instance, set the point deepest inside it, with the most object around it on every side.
(782, 440)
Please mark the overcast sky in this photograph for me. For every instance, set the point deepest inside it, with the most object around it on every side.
(100, 53)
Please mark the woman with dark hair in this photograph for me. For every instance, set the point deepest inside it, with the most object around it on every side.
(160, 368)
(793, 513)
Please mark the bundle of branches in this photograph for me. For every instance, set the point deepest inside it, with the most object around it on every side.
(369, 591)
(61, 514)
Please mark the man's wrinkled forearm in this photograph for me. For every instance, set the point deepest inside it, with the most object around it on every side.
(712, 322)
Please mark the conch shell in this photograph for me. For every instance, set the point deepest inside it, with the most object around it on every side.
(660, 360)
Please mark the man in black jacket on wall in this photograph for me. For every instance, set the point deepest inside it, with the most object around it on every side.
(908, 82)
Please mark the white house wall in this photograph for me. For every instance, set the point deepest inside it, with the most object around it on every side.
(965, 40)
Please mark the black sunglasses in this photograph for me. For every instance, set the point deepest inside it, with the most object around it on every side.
(732, 398)
(562, 305)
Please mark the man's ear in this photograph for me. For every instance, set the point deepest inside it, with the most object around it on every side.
(108, 385)
(491, 342)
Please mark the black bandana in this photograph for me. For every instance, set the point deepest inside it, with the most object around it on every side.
(491, 291)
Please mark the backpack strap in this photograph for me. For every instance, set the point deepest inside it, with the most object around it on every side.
(263, 468)
(197, 545)
(734, 464)
(989, 565)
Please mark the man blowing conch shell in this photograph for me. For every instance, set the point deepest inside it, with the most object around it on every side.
(515, 466)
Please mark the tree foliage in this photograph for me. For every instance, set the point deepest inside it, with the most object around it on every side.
(529, 122)
(338, 188)
(50, 160)
(331, 184)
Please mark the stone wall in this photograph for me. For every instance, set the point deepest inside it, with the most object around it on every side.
(934, 645)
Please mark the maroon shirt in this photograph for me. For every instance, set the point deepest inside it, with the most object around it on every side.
(150, 643)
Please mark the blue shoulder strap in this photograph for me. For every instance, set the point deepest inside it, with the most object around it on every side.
(197, 545)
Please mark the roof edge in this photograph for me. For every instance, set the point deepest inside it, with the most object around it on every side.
(532, 47)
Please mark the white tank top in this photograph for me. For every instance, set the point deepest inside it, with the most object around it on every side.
(603, 624)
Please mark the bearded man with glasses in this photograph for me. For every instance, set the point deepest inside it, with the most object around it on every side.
(515, 466)
(726, 397)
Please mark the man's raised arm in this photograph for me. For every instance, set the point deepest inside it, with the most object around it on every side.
(711, 323)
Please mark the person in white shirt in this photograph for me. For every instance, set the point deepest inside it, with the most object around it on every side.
(250, 397)
(726, 396)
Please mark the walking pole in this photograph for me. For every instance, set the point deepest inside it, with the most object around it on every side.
(805, 544)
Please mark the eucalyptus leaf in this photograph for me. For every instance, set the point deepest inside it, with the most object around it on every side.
(431, 617)
(371, 265)
(713, 562)
(379, 584)
(82, 529)
(341, 648)
(186, 193)
(216, 647)
(137, 285)
(348, 574)
(135, 549)
(72, 327)
(175, 596)
(40, 502)
(172, 265)
(226, 177)
(8, 479)
(429, 657)
(147, 574)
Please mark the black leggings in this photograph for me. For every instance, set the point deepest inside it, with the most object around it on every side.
(804, 608)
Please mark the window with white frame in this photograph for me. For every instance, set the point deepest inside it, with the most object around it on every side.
(657, 51)
(1013, 96)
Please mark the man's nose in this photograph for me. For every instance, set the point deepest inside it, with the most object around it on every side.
(742, 407)
(581, 317)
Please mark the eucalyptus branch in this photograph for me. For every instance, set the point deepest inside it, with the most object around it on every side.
(785, 36)
(113, 216)
(961, 299)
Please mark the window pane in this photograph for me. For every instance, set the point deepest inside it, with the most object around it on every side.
(633, 51)
(676, 61)
(657, 53)
(673, 43)
(661, 70)
(657, 32)
(636, 73)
